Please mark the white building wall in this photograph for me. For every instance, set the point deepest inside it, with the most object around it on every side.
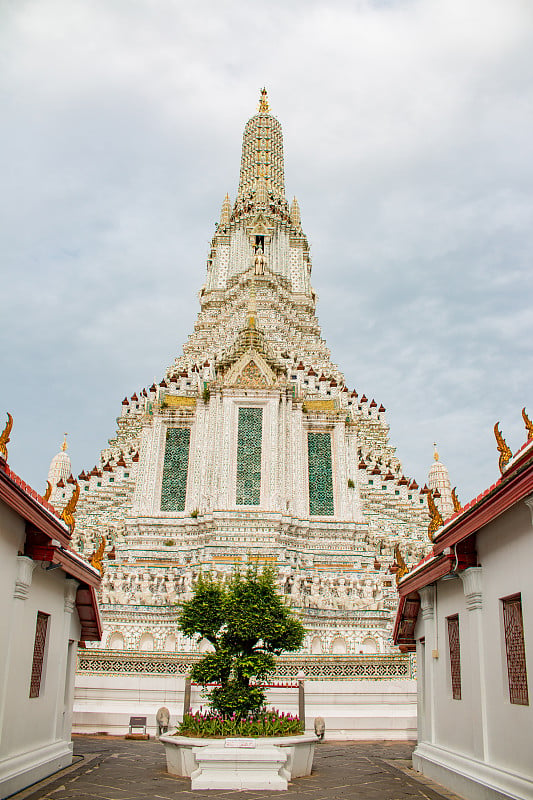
(479, 746)
(34, 732)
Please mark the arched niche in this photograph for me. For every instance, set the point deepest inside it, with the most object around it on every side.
(146, 642)
(338, 646)
(116, 642)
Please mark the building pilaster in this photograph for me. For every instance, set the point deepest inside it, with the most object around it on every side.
(473, 591)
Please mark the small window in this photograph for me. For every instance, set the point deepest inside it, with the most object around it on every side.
(410, 496)
(86, 488)
(513, 626)
(455, 655)
(370, 482)
(39, 647)
(111, 480)
(126, 474)
(99, 483)
(396, 491)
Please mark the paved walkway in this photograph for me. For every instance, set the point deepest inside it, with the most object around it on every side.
(109, 768)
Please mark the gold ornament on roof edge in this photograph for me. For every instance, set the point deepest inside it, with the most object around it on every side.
(528, 424)
(68, 511)
(402, 566)
(98, 555)
(436, 517)
(46, 495)
(4, 436)
(503, 449)
(456, 504)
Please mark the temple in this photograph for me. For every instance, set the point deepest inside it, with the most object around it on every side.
(251, 450)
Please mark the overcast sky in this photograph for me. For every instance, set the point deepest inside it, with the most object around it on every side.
(408, 130)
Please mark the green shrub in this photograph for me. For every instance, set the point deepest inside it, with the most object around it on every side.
(247, 623)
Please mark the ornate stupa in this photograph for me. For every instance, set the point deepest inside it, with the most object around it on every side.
(253, 450)
(439, 483)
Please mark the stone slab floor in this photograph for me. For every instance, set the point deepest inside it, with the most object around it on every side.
(108, 768)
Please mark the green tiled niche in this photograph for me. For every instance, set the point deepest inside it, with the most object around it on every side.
(249, 437)
(174, 486)
(320, 474)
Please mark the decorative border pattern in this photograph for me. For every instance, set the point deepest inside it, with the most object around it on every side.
(318, 667)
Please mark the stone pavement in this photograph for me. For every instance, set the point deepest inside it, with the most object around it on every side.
(108, 768)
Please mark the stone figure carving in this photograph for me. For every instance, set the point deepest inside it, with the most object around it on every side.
(259, 261)
(162, 719)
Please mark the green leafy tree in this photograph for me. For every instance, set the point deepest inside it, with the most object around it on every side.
(247, 623)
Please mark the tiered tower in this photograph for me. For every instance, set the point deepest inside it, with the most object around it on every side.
(252, 450)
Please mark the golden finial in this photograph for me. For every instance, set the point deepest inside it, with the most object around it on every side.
(436, 517)
(64, 445)
(68, 511)
(46, 495)
(251, 306)
(528, 424)
(263, 102)
(503, 449)
(4, 436)
(402, 566)
(435, 454)
(456, 503)
(98, 555)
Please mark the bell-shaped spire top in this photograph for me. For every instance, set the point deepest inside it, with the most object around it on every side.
(262, 156)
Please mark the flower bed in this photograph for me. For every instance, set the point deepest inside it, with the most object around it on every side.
(212, 725)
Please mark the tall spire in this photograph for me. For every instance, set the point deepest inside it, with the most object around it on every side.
(439, 481)
(295, 213)
(225, 213)
(262, 155)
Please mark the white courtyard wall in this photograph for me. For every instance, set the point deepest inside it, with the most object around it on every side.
(34, 732)
(479, 746)
(352, 709)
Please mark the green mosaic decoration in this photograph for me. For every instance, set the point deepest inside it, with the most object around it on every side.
(320, 475)
(175, 468)
(249, 437)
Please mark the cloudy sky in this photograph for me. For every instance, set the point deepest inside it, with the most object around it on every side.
(408, 142)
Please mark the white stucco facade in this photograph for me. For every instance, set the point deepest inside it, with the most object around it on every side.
(35, 731)
(481, 744)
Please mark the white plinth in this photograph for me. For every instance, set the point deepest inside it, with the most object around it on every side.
(181, 751)
(222, 767)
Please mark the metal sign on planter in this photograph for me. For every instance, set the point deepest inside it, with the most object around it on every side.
(239, 743)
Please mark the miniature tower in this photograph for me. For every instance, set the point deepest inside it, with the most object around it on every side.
(439, 483)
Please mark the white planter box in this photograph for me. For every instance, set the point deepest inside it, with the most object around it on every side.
(259, 767)
(181, 758)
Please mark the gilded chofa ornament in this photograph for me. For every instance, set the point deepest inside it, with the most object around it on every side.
(48, 492)
(68, 512)
(402, 566)
(455, 500)
(98, 555)
(528, 424)
(503, 449)
(4, 436)
(436, 517)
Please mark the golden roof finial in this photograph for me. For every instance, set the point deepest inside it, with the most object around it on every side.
(528, 424)
(503, 449)
(263, 102)
(68, 511)
(436, 517)
(4, 436)
(402, 566)
(98, 555)
(455, 500)
(46, 495)
(435, 454)
(64, 445)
